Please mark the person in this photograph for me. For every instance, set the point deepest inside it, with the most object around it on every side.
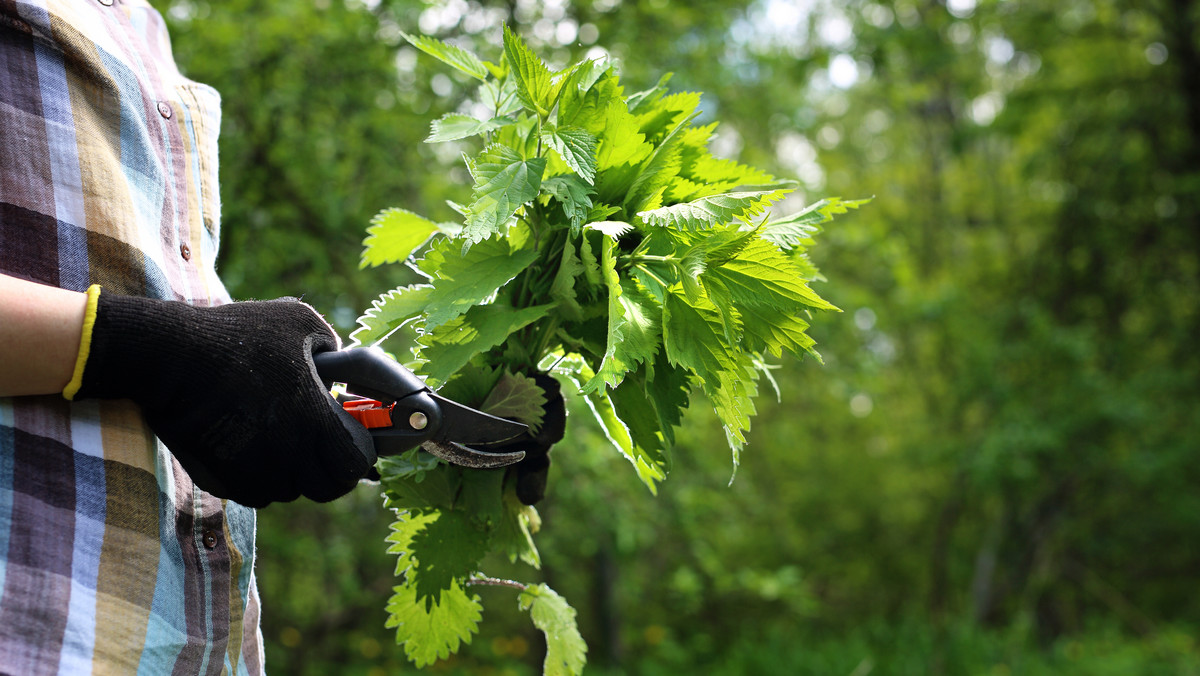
(143, 414)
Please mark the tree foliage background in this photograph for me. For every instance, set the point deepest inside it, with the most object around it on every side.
(995, 470)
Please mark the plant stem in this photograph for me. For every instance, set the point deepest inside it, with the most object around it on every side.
(495, 582)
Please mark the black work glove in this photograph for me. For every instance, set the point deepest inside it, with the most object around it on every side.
(233, 393)
(531, 471)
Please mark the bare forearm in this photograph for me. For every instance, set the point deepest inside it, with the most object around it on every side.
(40, 328)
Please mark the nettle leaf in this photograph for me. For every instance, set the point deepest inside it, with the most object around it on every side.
(461, 281)
(667, 113)
(669, 388)
(406, 526)
(460, 59)
(576, 146)
(435, 489)
(503, 182)
(767, 330)
(650, 469)
(393, 235)
(637, 412)
(712, 210)
(446, 551)
(454, 126)
(723, 173)
(514, 533)
(633, 332)
(450, 346)
(763, 275)
(694, 336)
(732, 395)
(562, 289)
(516, 397)
(389, 312)
(621, 142)
(572, 194)
(566, 653)
(797, 229)
(433, 633)
(471, 384)
(535, 86)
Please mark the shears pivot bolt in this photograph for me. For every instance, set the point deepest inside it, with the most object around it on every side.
(418, 421)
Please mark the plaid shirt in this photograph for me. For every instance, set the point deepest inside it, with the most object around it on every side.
(111, 560)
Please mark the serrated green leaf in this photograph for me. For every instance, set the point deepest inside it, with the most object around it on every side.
(762, 275)
(459, 58)
(621, 142)
(722, 299)
(646, 466)
(461, 281)
(649, 96)
(576, 146)
(601, 212)
(669, 389)
(453, 126)
(732, 395)
(436, 488)
(483, 327)
(471, 384)
(652, 181)
(583, 103)
(562, 289)
(723, 174)
(591, 264)
(712, 210)
(633, 330)
(514, 533)
(667, 113)
(694, 337)
(771, 331)
(428, 636)
(791, 231)
(535, 86)
(445, 552)
(572, 194)
(482, 498)
(401, 533)
(389, 312)
(633, 406)
(393, 235)
(516, 397)
(503, 182)
(566, 653)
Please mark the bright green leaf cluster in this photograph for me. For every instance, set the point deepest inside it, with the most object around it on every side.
(603, 237)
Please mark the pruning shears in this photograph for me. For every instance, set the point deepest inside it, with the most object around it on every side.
(401, 412)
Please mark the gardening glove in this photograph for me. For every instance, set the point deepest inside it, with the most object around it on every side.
(231, 390)
(531, 471)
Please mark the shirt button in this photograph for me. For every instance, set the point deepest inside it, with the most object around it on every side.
(210, 539)
(164, 108)
(185, 251)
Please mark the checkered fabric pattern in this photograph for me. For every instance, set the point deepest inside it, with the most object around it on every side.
(111, 560)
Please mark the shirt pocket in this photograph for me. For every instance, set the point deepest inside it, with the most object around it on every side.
(200, 126)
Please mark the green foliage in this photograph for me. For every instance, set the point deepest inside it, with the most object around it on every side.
(566, 653)
(545, 270)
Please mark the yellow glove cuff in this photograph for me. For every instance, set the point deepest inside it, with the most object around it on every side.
(85, 343)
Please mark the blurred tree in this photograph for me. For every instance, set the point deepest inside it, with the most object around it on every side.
(1005, 425)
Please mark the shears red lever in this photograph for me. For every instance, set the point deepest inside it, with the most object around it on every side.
(402, 413)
